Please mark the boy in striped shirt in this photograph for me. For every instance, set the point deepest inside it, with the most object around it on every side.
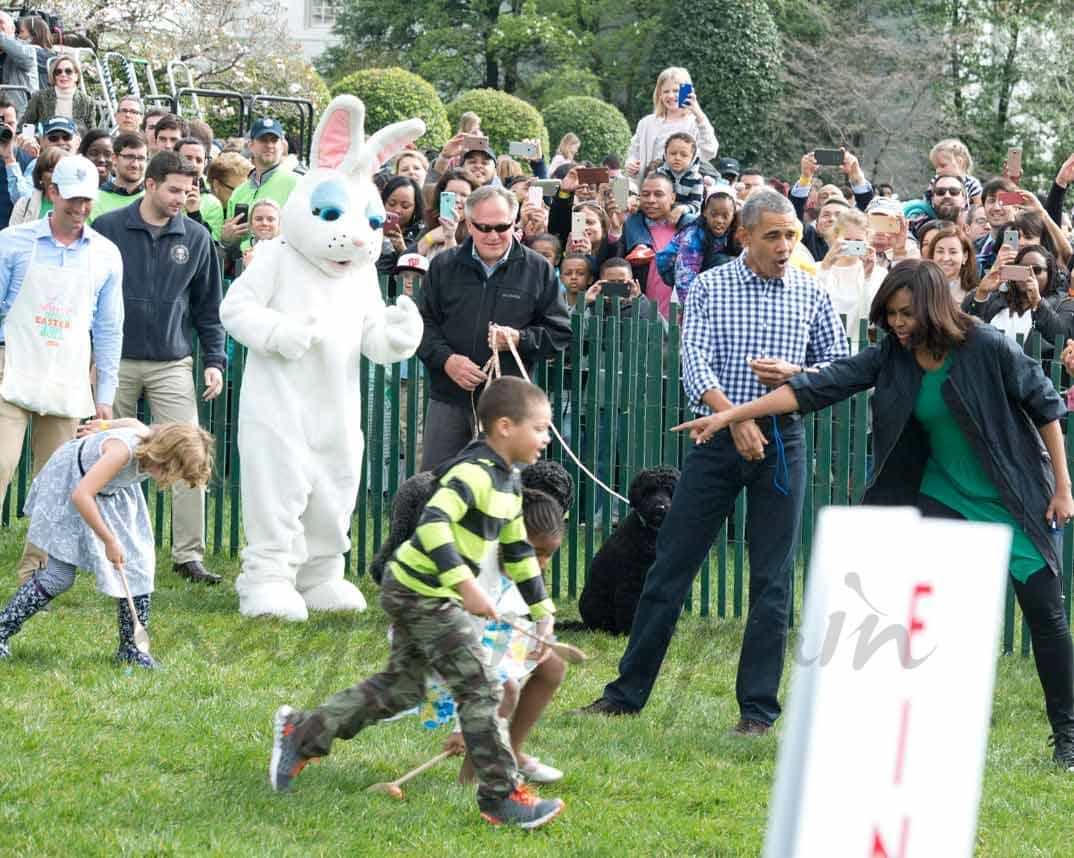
(428, 591)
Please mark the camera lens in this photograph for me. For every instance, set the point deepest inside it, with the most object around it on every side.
(6, 134)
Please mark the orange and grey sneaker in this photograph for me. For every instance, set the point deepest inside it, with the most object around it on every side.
(521, 808)
(286, 761)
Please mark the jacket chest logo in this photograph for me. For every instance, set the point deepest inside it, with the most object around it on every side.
(180, 255)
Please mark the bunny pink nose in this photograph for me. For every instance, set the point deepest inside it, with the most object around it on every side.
(358, 241)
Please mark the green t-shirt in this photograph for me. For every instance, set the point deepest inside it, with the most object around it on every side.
(110, 201)
(46, 207)
(955, 477)
(212, 214)
(277, 186)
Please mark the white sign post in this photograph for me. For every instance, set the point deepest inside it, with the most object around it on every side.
(887, 724)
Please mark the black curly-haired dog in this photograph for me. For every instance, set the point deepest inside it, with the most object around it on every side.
(617, 573)
(410, 499)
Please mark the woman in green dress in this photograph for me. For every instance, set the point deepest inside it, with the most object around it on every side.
(964, 426)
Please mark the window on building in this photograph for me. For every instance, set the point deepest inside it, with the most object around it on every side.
(321, 13)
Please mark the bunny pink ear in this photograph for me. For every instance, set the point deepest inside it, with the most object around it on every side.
(335, 139)
(337, 142)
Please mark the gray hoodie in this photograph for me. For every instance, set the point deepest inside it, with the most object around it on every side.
(18, 67)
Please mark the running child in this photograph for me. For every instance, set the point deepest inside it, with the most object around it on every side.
(87, 511)
(429, 589)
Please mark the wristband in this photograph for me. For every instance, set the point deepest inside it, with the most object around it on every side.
(804, 182)
(104, 425)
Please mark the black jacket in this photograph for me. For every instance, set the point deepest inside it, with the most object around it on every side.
(999, 397)
(458, 303)
(171, 287)
(1054, 317)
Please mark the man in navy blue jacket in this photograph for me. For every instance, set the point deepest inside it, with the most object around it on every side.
(171, 288)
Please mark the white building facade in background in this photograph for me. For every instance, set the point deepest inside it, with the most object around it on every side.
(310, 23)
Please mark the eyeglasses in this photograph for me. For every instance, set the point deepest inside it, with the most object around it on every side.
(492, 227)
(133, 158)
(131, 111)
(950, 192)
(66, 70)
(58, 137)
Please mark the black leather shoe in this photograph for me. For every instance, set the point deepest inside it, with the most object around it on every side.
(604, 706)
(749, 727)
(194, 570)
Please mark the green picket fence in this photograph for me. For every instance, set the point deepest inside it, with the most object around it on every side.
(615, 393)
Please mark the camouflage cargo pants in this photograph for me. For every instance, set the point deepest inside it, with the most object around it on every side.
(428, 634)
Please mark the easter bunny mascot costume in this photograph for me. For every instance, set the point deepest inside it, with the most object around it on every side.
(307, 308)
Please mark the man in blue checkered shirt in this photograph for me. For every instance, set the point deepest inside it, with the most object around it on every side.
(749, 326)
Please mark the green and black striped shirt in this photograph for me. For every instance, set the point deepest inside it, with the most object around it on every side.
(478, 504)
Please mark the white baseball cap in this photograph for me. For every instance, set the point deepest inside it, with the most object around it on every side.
(76, 177)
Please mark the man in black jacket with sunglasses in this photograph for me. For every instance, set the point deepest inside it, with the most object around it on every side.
(490, 279)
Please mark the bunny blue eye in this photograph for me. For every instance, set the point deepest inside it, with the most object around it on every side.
(329, 201)
(376, 221)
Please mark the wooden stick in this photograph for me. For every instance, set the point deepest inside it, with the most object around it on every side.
(564, 650)
(393, 788)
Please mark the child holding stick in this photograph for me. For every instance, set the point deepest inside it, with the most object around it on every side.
(87, 511)
(429, 590)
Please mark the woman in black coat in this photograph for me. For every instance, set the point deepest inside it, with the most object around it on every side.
(964, 426)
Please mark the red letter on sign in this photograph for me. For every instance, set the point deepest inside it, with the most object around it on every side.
(915, 624)
(879, 850)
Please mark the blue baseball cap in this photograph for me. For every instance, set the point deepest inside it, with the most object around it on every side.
(60, 123)
(266, 125)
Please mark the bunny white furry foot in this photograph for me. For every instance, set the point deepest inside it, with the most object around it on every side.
(273, 599)
(337, 595)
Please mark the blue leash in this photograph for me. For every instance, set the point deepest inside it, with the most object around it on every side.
(782, 479)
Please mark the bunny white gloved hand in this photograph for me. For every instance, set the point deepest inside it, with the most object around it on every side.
(292, 339)
(402, 325)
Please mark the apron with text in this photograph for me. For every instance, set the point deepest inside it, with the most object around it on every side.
(47, 337)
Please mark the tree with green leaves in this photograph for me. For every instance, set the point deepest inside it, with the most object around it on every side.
(732, 53)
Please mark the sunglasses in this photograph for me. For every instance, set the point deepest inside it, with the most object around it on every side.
(949, 192)
(63, 71)
(492, 227)
(58, 137)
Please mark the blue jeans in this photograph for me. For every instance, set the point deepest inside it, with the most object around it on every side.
(712, 477)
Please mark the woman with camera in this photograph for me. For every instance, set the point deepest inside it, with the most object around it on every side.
(965, 427)
(675, 108)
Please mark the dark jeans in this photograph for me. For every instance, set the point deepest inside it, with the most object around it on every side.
(447, 429)
(712, 477)
(1041, 601)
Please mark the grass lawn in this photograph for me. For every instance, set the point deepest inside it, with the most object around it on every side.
(97, 760)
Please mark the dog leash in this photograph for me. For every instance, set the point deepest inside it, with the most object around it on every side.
(492, 369)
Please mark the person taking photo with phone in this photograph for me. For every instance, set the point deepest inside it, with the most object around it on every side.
(849, 273)
(965, 426)
(404, 219)
(675, 108)
(445, 219)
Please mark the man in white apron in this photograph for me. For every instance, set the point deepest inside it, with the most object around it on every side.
(60, 282)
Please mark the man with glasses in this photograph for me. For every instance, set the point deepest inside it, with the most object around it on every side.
(128, 182)
(490, 279)
(129, 115)
(60, 132)
(18, 63)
